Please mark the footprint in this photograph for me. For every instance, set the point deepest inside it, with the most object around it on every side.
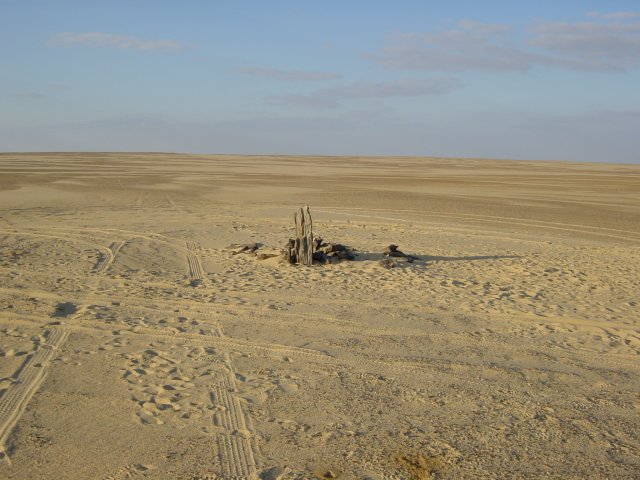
(286, 385)
(135, 470)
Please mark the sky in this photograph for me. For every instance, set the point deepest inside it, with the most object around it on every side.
(544, 80)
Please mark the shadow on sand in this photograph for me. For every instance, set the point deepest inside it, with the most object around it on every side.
(432, 258)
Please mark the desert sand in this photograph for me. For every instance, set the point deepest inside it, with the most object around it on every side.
(135, 345)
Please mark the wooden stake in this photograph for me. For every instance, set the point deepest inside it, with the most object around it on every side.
(304, 237)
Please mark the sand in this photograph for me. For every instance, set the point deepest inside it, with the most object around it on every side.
(134, 345)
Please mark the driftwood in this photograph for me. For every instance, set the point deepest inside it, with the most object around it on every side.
(255, 249)
(333, 248)
(306, 250)
(392, 251)
(303, 245)
(290, 254)
(303, 249)
(397, 256)
(266, 253)
(332, 252)
(237, 248)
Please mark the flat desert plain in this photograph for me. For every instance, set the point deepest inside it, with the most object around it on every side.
(136, 345)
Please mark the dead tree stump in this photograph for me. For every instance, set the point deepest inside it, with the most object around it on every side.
(304, 237)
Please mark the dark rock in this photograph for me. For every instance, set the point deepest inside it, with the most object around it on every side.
(320, 257)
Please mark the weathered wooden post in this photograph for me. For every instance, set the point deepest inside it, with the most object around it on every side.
(304, 237)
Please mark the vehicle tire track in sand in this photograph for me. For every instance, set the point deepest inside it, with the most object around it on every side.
(217, 340)
(215, 337)
(139, 202)
(27, 379)
(196, 271)
(170, 201)
(107, 258)
(195, 266)
(627, 235)
(236, 445)
(105, 252)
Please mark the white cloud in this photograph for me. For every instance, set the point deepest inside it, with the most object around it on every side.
(123, 42)
(598, 45)
(331, 97)
(614, 44)
(471, 46)
(294, 75)
(615, 15)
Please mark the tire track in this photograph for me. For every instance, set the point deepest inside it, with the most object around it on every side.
(400, 364)
(626, 235)
(105, 252)
(195, 266)
(139, 202)
(170, 201)
(201, 308)
(196, 272)
(236, 457)
(27, 379)
(105, 261)
(216, 338)
(236, 447)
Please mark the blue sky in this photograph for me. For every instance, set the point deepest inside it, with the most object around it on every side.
(496, 79)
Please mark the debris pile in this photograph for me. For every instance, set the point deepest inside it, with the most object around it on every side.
(323, 253)
(307, 250)
(237, 248)
(331, 252)
(254, 249)
(397, 256)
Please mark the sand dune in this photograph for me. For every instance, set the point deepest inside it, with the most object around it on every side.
(134, 345)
